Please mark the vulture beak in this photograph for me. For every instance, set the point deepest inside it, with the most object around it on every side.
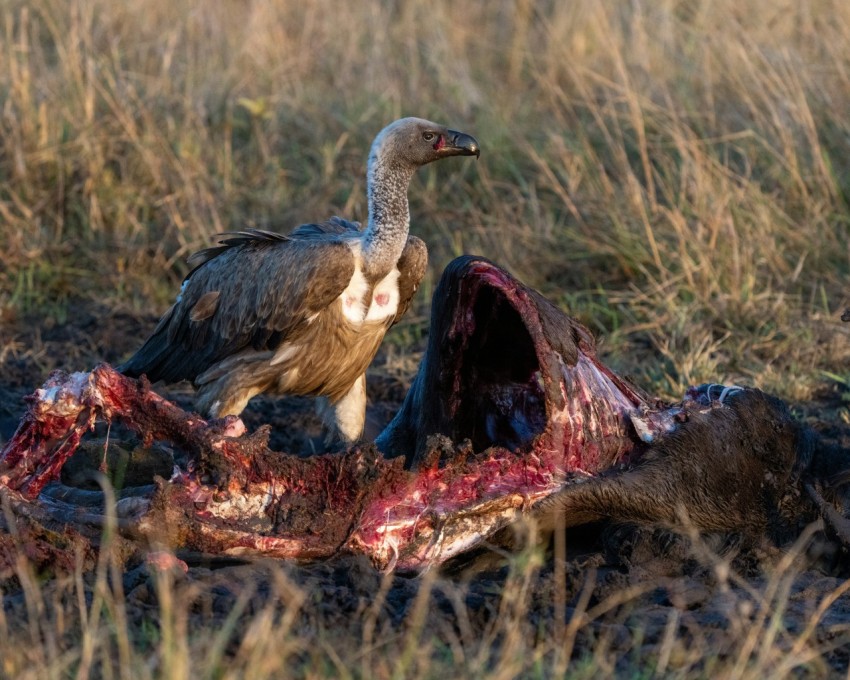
(461, 144)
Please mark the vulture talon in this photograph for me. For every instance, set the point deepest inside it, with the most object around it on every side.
(728, 392)
(704, 394)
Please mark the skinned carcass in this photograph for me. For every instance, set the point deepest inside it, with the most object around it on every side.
(511, 412)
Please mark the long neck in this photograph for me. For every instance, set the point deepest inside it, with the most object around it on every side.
(389, 215)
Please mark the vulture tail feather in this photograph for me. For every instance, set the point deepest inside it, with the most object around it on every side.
(158, 361)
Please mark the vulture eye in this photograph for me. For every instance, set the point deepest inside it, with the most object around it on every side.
(428, 136)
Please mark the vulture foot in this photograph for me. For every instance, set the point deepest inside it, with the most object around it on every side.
(705, 393)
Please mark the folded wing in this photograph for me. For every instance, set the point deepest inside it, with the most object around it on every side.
(252, 292)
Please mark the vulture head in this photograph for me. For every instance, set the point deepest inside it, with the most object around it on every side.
(414, 142)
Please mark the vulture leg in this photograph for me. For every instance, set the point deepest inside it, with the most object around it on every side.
(226, 389)
(344, 419)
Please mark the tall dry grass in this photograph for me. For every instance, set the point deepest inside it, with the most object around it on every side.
(84, 624)
(676, 173)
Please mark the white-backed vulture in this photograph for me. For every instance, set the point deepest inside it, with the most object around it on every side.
(303, 313)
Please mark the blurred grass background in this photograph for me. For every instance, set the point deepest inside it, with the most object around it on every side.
(674, 173)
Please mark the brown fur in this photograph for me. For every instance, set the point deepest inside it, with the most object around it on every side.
(735, 467)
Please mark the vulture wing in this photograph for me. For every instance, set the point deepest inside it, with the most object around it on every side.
(411, 267)
(251, 292)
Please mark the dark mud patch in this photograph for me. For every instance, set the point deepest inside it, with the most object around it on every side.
(643, 595)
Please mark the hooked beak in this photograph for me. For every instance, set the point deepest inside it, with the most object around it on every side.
(461, 144)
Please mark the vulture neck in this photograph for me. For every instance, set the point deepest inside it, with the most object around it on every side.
(389, 215)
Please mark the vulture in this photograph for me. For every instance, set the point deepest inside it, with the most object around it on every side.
(302, 313)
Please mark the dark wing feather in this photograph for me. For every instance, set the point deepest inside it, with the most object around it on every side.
(234, 238)
(335, 225)
(411, 267)
(269, 286)
(230, 239)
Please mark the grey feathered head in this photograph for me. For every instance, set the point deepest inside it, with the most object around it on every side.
(415, 142)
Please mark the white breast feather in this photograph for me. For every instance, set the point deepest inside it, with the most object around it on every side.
(385, 298)
(352, 298)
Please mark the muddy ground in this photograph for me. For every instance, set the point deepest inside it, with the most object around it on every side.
(658, 585)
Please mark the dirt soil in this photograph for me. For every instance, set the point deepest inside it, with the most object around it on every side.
(711, 594)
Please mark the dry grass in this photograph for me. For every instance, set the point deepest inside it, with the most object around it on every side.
(676, 174)
(83, 625)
